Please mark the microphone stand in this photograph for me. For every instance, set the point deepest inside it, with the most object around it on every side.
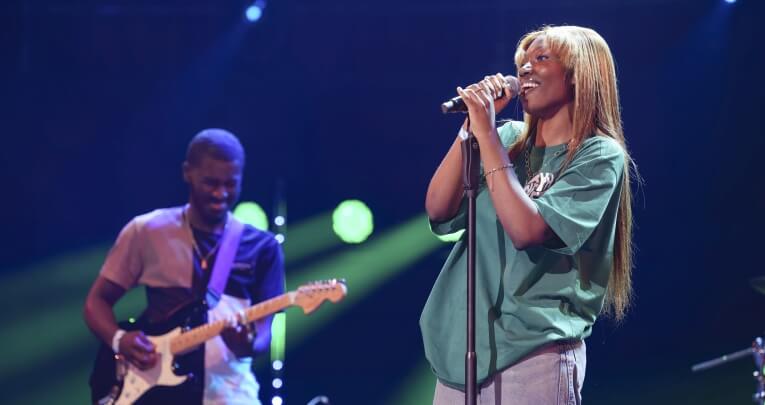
(757, 350)
(471, 163)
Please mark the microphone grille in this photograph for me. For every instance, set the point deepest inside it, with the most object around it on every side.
(513, 84)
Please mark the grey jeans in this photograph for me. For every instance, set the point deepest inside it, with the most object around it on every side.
(551, 375)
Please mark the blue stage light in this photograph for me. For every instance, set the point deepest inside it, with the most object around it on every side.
(279, 220)
(253, 13)
(730, 1)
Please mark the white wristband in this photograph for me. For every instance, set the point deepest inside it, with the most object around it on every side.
(116, 340)
(463, 134)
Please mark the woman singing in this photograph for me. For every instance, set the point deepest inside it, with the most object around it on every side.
(553, 226)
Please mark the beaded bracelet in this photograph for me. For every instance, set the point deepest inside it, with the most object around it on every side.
(494, 170)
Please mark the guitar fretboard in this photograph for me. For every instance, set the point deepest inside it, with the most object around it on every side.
(194, 337)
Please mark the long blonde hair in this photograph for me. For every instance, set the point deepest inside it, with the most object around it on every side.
(589, 64)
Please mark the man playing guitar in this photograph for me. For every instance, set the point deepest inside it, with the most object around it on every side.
(172, 252)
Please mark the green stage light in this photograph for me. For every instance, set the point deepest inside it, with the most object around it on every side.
(418, 387)
(251, 213)
(310, 237)
(352, 221)
(452, 237)
(278, 333)
(364, 268)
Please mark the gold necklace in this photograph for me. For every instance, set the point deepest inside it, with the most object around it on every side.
(203, 259)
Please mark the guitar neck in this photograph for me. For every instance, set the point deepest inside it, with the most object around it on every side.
(194, 337)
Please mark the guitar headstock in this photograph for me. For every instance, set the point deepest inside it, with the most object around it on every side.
(310, 296)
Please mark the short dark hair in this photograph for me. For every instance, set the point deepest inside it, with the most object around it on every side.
(216, 143)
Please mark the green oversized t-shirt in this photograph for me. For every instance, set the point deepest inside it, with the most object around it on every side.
(525, 299)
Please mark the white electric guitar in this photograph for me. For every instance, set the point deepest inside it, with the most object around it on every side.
(129, 383)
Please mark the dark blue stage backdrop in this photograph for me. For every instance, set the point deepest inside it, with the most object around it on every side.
(339, 99)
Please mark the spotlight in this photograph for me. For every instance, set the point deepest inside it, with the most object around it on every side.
(277, 365)
(730, 1)
(352, 221)
(251, 213)
(277, 383)
(255, 11)
(277, 400)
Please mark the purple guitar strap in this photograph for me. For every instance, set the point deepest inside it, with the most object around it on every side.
(223, 262)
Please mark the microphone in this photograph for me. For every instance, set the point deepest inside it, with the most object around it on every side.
(458, 105)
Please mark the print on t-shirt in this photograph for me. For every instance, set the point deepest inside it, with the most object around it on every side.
(539, 184)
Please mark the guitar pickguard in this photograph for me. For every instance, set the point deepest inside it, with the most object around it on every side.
(160, 383)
